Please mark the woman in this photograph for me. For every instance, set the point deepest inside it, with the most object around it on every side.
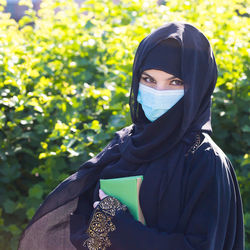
(189, 195)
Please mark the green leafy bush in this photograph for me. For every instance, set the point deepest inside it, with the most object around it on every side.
(65, 74)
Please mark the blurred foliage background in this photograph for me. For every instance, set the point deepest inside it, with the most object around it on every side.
(65, 75)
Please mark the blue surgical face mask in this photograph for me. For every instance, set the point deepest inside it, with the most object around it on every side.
(155, 103)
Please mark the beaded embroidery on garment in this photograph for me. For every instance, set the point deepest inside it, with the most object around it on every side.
(195, 146)
(101, 223)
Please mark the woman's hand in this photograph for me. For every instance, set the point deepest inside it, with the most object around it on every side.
(102, 195)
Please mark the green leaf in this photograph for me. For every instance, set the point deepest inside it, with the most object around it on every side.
(30, 212)
(36, 191)
(3, 2)
(14, 230)
(246, 128)
(27, 3)
(9, 206)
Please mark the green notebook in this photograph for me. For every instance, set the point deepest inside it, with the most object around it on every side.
(126, 190)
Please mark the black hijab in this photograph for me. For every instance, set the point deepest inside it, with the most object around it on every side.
(154, 149)
(193, 113)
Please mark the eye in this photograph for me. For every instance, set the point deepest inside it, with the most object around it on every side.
(148, 79)
(176, 82)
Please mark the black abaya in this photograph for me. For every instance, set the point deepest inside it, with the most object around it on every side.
(189, 195)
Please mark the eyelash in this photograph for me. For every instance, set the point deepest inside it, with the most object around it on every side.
(150, 80)
(146, 78)
(179, 82)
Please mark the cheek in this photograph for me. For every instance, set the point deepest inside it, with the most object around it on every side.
(151, 85)
(176, 87)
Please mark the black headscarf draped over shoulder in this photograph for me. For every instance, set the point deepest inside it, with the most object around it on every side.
(189, 195)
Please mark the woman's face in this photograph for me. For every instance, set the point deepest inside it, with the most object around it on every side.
(161, 80)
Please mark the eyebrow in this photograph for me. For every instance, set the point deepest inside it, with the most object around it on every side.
(170, 78)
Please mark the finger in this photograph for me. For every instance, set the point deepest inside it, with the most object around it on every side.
(102, 195)
(95, 204)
